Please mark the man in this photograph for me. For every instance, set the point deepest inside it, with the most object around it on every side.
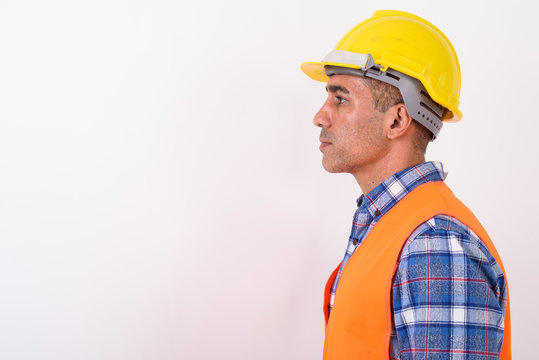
(420, 278)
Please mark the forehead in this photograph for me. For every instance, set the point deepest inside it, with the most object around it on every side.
(348, 84)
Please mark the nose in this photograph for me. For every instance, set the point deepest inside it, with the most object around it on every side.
(321, 119)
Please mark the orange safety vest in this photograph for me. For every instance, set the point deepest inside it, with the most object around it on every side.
(360, 323)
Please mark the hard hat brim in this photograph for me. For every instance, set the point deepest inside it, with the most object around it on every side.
(316, 69)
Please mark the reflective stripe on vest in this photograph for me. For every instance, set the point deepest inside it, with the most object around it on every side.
(360, 323)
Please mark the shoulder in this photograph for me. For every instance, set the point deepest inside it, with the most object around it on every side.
(447, 234)
(445, 245)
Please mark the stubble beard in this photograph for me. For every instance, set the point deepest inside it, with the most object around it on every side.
(341, 160)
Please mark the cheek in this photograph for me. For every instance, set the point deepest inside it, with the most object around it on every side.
(356, 130)
(365, 134)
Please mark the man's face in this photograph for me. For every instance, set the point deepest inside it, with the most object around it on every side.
(352, 136)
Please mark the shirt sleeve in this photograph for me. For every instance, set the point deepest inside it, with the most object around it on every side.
(448, 296)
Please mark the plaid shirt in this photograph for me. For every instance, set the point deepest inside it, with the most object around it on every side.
(449, 294)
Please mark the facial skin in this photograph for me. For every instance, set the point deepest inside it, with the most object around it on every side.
(357, 139)
(352, 134)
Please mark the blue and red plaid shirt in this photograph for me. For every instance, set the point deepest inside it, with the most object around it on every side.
(449, 294)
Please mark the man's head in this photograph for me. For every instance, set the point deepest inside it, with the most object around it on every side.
(405, 51)
(392, 81)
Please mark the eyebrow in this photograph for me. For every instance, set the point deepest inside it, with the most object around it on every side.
(336, 88)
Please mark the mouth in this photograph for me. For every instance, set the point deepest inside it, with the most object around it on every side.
(324, 143)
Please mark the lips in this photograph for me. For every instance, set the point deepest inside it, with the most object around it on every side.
(324, 143)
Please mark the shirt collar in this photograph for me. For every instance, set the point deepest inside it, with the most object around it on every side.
(383, 197)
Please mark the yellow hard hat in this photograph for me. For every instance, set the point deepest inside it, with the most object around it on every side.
(406, 43)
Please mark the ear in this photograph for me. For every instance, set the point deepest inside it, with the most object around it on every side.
(397, 121)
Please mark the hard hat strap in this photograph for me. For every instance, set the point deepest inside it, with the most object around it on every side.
(417, 100)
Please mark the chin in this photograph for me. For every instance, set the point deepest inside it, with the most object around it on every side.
(332, 167)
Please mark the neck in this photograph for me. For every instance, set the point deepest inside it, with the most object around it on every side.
(374, 174)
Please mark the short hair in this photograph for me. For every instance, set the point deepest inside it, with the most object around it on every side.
(384, 96)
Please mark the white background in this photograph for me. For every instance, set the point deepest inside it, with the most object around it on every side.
(161, 193)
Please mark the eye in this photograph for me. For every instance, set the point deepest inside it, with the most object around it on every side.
(339, 100)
